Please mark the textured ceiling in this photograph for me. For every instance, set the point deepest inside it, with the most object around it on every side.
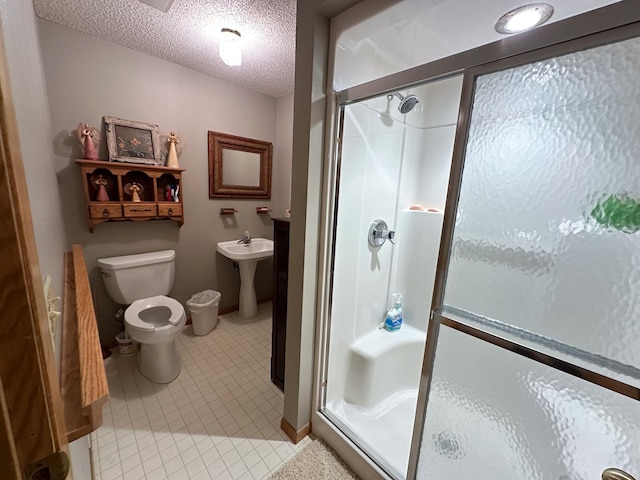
(188, 34)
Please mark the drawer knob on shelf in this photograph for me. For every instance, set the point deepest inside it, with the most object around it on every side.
(140, 209)
(105, 212)
(171, 211)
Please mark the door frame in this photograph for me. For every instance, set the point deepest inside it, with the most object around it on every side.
(31, 413)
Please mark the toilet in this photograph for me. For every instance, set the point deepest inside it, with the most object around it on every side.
(152, 319)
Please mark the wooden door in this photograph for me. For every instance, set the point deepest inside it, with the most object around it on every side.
(31, 415)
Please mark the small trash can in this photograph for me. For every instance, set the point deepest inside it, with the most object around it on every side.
(204, 311)
(127, 345)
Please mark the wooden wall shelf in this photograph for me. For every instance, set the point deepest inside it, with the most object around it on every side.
(155, 181)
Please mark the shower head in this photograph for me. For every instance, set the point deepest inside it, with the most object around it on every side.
(406, 103)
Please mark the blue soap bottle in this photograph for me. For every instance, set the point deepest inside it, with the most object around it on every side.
(393, 322)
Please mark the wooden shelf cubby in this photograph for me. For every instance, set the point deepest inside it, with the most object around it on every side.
(120, 207)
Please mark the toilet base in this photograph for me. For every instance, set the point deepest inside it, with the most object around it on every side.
(159, 362)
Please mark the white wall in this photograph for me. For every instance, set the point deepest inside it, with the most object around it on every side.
(389, 162)
(369, 175)
(88, 78)
(378, 38)
(425, 178)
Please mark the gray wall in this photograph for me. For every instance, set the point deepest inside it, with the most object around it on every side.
(22, 51)
(88, 78)
(282, 156)
(312, 38)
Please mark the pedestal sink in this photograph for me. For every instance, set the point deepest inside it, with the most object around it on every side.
(247, 256)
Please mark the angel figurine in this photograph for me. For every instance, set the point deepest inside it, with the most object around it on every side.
(102, 190)
(135, 190)
(88, 137)
(174, 147)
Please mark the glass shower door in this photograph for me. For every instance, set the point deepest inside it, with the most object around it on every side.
(370, 174)
(534, 349)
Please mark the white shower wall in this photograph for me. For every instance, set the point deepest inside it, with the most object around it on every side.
(429, 145)
(386, 166)
(424, 180)
(371, 159)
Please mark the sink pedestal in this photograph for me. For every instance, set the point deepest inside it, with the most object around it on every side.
(247, 256)
(248, 304)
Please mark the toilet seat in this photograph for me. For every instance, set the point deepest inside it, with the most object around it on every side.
(132, 314)
(155, 323)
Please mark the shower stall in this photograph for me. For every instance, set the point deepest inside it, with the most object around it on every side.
(395, 168)
(510, 191)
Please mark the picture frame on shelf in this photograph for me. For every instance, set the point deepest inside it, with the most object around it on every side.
(133, 142)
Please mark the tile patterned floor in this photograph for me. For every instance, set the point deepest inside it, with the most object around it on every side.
(220, 419)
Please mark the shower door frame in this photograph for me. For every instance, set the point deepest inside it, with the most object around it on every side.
(608, 24)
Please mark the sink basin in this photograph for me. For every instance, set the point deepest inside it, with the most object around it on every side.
(247, 257)
(258, 249)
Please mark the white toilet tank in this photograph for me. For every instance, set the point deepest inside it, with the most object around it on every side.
(133, 277)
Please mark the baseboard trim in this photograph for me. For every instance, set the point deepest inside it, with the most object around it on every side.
(291, 432)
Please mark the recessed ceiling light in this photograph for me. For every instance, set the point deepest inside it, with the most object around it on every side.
(524, 18)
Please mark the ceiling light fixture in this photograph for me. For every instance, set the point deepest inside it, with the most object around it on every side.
(524, 18)
(230, 49)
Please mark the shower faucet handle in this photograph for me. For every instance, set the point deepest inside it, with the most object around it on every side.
(390, 235)
(379, 233)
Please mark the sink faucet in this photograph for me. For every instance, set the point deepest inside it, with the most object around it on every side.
(246, 238)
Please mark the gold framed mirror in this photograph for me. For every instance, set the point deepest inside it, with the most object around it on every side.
(239, 167)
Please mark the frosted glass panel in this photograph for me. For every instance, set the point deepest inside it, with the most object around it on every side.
(494, 415)
(547, 236)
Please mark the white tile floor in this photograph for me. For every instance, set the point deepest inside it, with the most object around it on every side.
(220, 419)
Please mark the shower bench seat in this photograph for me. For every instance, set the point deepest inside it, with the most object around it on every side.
(382, 363)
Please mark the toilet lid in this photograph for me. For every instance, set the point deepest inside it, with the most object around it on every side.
(132, 314)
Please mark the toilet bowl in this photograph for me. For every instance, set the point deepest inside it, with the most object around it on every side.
(152, 319)
(155, 323)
